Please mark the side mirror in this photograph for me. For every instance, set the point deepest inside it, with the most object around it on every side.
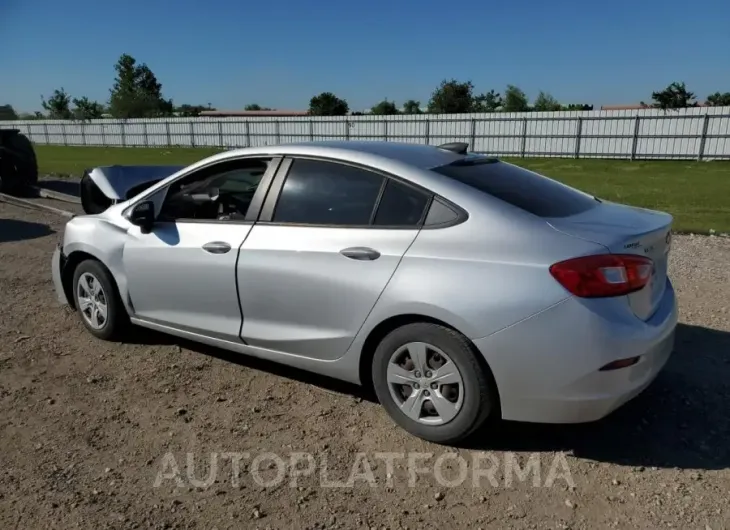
(143, 216)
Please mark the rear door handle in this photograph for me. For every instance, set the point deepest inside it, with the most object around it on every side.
(360, 253)
(217, 247)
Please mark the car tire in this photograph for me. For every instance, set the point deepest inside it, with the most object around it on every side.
(90, 276)
(476, 399)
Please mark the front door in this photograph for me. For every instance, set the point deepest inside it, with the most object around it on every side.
(183, 273)
(313, 267)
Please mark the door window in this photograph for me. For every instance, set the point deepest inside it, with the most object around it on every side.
(327, 193)
(222, 192)
(400, 205)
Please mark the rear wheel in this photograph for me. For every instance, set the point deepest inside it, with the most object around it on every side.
(428, 379)
(97, 300)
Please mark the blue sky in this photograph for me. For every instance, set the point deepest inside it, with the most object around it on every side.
(280, 53)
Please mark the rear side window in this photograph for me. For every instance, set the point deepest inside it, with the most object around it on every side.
(533, 193)
(400, 205)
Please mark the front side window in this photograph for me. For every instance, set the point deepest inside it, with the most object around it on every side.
(222, 192)
(327, 193)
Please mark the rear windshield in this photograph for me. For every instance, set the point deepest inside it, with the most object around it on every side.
(533, 193)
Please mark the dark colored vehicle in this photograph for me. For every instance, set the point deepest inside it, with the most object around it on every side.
(18, 163)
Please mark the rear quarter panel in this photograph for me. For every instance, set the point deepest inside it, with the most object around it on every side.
(480, 276)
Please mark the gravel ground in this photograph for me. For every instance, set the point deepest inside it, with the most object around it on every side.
(92, 431)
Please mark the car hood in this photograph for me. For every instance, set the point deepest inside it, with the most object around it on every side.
(115, 182)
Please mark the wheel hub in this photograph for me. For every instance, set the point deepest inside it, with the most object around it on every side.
(91, 300)
(425, 383)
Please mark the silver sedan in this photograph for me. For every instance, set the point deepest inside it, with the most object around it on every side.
(460, 287)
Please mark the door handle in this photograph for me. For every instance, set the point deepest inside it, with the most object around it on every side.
(217, 247)
(360, 253)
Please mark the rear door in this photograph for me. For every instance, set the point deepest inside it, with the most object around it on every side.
(329, 239)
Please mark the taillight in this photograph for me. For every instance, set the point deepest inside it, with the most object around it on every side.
(603, 275)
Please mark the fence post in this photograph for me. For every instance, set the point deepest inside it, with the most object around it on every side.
(192, 135)
(220, 134)
(103, 134)
(277, 128)
(83, 132)
(473, 133)
(45, 132)
(428, 132)
(523, 146)
(385, 130)
(247, 128)
(144, 132)
(311, 131)
(167, 134)
(63, 132)
(124, 134)
(703, 139)
(347, 130)
(635, 141)
(578, 132)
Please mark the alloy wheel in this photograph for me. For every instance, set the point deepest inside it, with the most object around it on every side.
(425, 383)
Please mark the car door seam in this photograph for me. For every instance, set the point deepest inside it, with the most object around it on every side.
(238, 289)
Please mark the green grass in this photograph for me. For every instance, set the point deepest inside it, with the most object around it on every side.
(61, 160)
(696, 193)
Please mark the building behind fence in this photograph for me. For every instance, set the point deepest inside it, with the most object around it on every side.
(693, 133)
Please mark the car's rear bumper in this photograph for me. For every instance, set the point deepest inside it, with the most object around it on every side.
(547, 368)
(57, 264)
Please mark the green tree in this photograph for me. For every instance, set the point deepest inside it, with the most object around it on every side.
(136, 92)
(58, 106)
(675, 96)
(85, 109)
(412, 107)
(384, 108)
(578, 106)
(719, 99)
(255, 106)
(545, 102)
(487, 102)
(7, 112)
(191, 111)
(452, 97)
(327, 104)
(515, 100)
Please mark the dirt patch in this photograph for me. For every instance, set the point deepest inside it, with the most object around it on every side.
(88, 427)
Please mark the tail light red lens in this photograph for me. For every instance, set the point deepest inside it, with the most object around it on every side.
(603, 275)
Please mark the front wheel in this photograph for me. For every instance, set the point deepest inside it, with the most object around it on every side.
(97, 300)
(428, 379)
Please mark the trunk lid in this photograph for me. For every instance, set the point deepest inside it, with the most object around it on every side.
(627, 230)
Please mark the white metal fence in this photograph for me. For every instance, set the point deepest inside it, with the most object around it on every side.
(695, 133)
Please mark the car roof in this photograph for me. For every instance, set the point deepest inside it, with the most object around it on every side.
(416, 155)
